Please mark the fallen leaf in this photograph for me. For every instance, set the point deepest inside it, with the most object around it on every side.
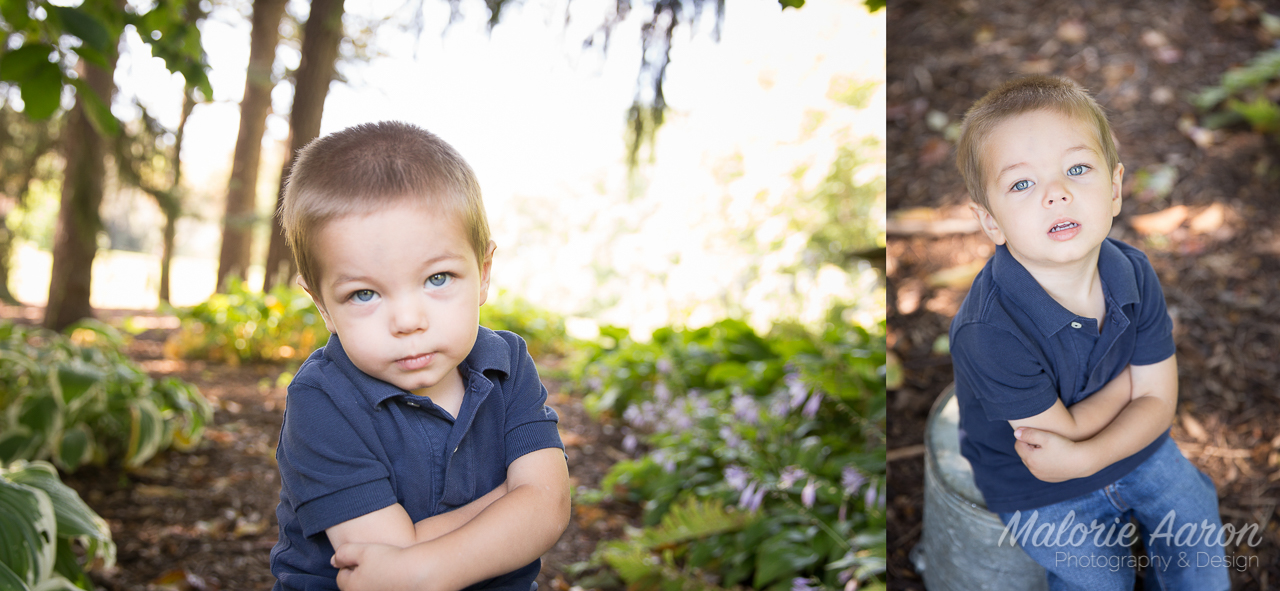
(571, 439)
(1193, 427)
(1072, 31)
(958, 276)
(153, 491)
(1160, 222)
(1209, 220)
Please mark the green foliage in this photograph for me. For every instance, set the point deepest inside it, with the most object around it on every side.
(75, 398)
(41, 522)
(90, 32)
(789, 426)
(542, 330)
(693, 520)
(243, 325)
(1246, 93)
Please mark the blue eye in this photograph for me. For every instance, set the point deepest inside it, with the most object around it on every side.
(1022, 185)
(1077, 170)
(438, 280)
(363, 295)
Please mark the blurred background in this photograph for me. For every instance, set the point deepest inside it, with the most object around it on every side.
(688, 199)
(1190, 88)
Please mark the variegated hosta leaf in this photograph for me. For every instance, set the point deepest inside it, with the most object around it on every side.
(10, 581)
(146, 432)
(75, 448)
(74, 518)
(28, 529)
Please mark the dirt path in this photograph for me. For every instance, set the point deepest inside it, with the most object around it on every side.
(205, 520)
(1142, 59)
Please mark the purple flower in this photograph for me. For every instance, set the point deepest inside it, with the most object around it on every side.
(756, 500)
(744, 500)
(664, 366)
(662, 393)
(851, 479)
(633, 415)
(731, 439)
(809, 494)
(735, 477)
(745, 408)
(797, 389)
(790, 475)
(803, 584)
(629, 443)
(811, 407)
(870, 498)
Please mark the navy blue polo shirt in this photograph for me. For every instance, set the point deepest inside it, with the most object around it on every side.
(352, 444)
(1016, 351)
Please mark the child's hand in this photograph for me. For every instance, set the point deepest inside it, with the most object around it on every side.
(1051, 457)
(370, 566)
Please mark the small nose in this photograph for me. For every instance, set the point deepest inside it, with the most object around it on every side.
(409, 316)
(1057, 193)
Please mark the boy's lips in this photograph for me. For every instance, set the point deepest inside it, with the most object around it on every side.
(415, 362)
(1064, 229)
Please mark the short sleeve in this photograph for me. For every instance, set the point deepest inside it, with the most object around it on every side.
(329, 473)
(531, 424)
(1003, 373)
(1154, 342)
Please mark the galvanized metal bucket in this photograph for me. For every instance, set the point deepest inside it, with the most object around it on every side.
(958, 548)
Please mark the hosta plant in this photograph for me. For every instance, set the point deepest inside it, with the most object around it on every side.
(75, 398)
(41, 522)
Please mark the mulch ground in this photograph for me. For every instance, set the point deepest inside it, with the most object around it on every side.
(1217, 256)
(205, 520)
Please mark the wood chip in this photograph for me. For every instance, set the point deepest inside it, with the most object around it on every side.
(903, 453)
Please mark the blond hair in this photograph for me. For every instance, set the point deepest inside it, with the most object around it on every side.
(370, 166)
(1032, 93)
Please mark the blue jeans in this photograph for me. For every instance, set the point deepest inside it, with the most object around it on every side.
(1083, 543)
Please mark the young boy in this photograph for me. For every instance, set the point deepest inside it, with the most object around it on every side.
(1064, 355)
(416, 443)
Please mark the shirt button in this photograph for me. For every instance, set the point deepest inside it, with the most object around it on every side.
(1076, 324)
(413, 404)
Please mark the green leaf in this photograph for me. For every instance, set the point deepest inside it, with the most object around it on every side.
(874, 5)
(14, 12)
(74, 518)
(83, 25)
(74, 381)
(10, 581)
(28, 528)
(791, 4)
(75, 448)
(146, 432)
(782, 557)
(18, 443)
(42, 91)
(67, 564)
(40, 414)
(100, 116)
(23, 62)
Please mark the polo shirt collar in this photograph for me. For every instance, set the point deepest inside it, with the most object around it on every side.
(490, 353)
(1119, 284)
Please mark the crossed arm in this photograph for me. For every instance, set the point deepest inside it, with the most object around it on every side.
(1112, 424)
(522, 518)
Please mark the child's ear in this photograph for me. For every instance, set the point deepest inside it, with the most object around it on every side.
(485, 267)
(1117, 187)
(328, 324)
(988, 222)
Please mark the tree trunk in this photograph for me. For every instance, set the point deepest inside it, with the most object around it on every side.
(174, 211)
(320, 41)
(75, 240)
(237, 226)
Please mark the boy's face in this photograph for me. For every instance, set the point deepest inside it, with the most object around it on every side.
(1049, 195)
(401, 287)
